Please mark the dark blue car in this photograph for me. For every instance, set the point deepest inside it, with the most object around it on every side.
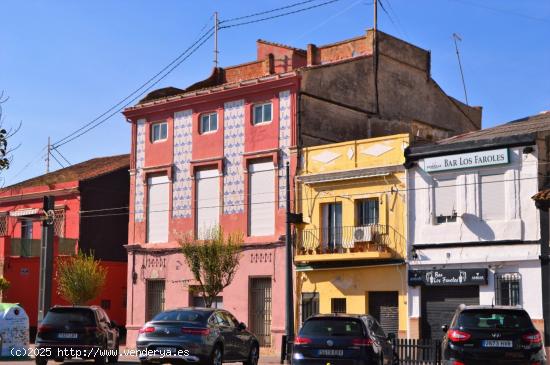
(342, 339)
(196, 336)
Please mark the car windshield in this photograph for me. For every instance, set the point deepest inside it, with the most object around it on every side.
(327, 327)
(494, 319)
(183, 316)
(69, 316)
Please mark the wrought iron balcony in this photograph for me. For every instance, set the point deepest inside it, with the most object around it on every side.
(369, 241)
(25, 247)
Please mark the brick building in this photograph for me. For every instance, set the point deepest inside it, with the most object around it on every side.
(214, 153)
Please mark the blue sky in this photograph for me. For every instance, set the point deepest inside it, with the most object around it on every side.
(63, 63)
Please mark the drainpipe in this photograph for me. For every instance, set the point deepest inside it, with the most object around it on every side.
(289, 281)
(545, 269)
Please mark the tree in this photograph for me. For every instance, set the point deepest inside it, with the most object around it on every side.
(213, 261)
(4, 285)
(6, 155)
(80, 278)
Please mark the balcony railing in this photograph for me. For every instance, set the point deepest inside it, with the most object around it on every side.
(66, 246)
(25, 247)
(350, 239)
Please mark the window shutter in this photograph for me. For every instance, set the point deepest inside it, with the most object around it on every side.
(445, 197)
(493, 198)
(157, 209)
(208, 201)
(261, 210)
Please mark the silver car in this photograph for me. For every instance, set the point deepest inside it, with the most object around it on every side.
(196, 335)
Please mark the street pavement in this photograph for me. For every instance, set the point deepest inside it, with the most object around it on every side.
(264, 360)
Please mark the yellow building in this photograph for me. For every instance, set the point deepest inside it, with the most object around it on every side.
(351, 248)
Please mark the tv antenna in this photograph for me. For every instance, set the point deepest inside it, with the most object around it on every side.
(456, 38)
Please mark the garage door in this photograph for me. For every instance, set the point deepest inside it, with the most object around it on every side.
(384, 307)
(439, 304)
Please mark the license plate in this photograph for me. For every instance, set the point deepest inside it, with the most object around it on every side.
(497, 343)
(331, 352)
(171, 350)
(67, 335)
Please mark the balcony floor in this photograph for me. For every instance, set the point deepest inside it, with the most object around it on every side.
(374, 255)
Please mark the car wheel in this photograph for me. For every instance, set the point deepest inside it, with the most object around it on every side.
(253, 356)
(114, 358)
(145, 362)
(40, 361)
(217, 356)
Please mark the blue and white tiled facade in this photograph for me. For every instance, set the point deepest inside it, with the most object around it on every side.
(233, 146)
(183, 150)
(284, 143)
(140, 161)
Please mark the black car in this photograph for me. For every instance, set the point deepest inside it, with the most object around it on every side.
(492, 335)
(342, 339)
(196, 335)
(77, 332)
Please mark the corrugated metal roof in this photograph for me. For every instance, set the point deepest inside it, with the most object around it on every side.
(350, 174)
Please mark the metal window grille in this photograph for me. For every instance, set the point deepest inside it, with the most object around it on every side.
(310, 305)
(508, 289)
(154, 298)
(59, 223)
(260, 314)
(3, 225)
(338, 305)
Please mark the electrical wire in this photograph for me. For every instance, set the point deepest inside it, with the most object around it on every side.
(267, 11)
(196, 46)
(279, 15)
(55, 158)
(63, 157)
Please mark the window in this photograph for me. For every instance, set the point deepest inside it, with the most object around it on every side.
(310, 305)
(367, 212)
(208, 202)
(3, 224)
(338, 305)
(332, 226)
(154, 298)
(261, 212)
(159, 131)
(493, 198)
(26, 229)
(262, 113)
(508, 289)
(445, 200)
(59, 223)
(209, 123)
(158, 204)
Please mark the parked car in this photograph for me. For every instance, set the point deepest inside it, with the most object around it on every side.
(77, 331)
(196, 335)
(492, 335)
(342, 339)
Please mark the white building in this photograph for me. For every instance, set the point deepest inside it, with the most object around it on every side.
(474, 231)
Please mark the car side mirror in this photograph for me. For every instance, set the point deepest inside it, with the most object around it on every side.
(444, 328)
(391, 336)
(241, 326)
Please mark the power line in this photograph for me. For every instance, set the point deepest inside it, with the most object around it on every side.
(196, 46)
(279, 15)
(61, 155)
(267, 11)
(56, 160)
(139, 90)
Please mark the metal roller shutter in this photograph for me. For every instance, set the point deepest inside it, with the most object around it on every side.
(261, 211)
(158, 191)
(439, 304)
(384, 306)
(208, 201)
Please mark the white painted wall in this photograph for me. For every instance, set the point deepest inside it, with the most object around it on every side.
(521, 220)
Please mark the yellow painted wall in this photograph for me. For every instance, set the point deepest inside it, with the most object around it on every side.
(354, 284)
(390, 189)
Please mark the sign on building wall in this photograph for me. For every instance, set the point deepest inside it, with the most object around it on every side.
(448, 277)
(467, 160)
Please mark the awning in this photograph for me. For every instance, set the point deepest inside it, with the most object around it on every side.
(24, 212)
(350, 174)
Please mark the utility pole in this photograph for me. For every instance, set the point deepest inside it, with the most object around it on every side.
(46, 260)
(455, 38)
(375, 55)
(544, 208)
(289, 263)
(48, 156)
(216, 24)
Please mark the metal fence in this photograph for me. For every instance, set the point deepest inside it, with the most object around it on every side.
(417, 351)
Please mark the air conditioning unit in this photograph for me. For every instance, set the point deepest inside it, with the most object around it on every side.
(362, 234)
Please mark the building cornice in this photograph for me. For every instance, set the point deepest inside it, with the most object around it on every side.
(38, 195)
